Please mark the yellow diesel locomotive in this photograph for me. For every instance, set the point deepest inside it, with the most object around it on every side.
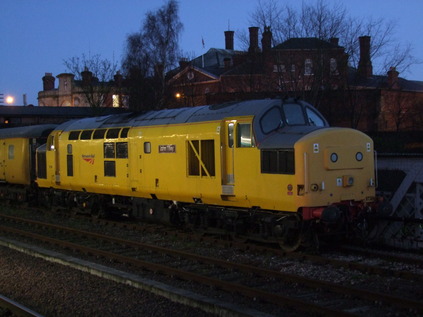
(270, 170)
(17, 160)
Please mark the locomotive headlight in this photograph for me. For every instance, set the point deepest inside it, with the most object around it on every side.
(359, 156)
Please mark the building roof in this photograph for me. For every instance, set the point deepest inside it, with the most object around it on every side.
(305, 43)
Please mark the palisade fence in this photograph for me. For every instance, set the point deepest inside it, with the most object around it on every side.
(400, 181)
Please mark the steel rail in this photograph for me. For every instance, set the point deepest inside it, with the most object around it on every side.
(277, 299)
(364, 294)
(17, 309)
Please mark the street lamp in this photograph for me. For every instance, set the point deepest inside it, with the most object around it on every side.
(10, 100)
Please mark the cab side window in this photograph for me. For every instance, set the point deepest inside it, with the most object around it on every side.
(244, 135)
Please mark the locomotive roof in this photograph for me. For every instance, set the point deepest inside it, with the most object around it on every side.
(32, 131)
(255, 108)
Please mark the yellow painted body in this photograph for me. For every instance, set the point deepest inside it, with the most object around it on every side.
(14, 161)
(195, 162)
(326, 182)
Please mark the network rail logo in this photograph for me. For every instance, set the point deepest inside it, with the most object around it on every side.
(89, 158)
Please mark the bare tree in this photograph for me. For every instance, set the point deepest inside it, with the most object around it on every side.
(95, 74)
(150, 53)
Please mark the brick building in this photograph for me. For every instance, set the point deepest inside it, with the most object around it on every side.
(88, 92)
(309, 68)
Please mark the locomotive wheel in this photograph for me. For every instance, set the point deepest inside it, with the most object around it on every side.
(288, 232)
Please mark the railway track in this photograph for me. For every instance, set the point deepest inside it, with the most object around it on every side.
(11, 308)
(279, 291)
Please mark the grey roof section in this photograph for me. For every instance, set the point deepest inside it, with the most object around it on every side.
(56, 111)
(33, 131)
(254, 108)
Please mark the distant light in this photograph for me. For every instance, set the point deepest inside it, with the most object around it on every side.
(178, 95)
(10, 99)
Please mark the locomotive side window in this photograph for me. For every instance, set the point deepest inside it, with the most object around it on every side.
(110, 168)
(271, 120)
(86, 134)
(112, 133)
(231, 135)
(244, 135)
(147, 147)
(99, 134)
(314, 118)
(74, 135)
(11, 152)
(124, 133)
(294, 114)
(109, 150)
(122, 150)
(278, 161)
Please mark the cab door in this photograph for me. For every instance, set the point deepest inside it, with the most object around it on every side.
(228, 158)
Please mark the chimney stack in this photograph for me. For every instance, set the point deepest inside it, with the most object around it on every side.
(266, 41)
(229, 40)
(393, 82)
(254, 48)
(334, 41)
(48, 82)
(87, 77)
(365, 68)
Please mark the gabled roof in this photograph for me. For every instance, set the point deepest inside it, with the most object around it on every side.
(305, 43)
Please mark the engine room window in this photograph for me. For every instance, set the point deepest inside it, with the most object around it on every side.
(99, 134)
(86, 134)
(110, 168)
(74, 135)
(244, 135)
(201, 160)
(294, 114)
(122, 150)
(314, 118)
(112, 133)
(11, 152)
(271, 120)
(109, 150)
(277, 161)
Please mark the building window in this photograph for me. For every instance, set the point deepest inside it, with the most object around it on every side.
(308, 67)
(279, 68)
(333, 67)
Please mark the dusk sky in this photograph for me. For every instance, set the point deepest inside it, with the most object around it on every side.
(38, 35)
